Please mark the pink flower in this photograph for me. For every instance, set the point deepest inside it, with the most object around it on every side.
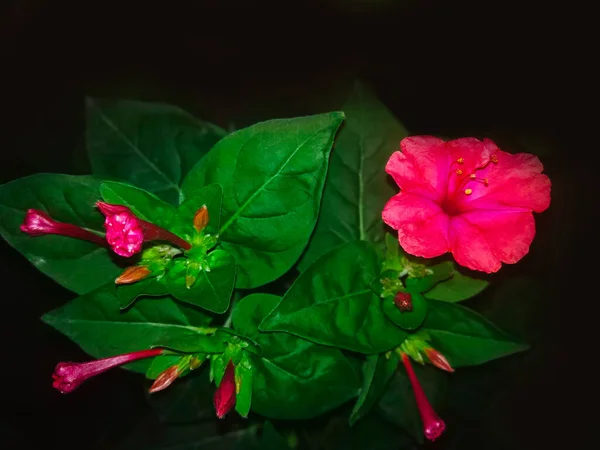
(466, 197)
(433, 426)
(224, 398)
(38, 223)
(126, 233)
(68, 376)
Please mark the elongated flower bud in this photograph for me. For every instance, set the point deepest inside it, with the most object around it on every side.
(224, 398)
(438, 360)
(433, 426)
(126, 233)
(201, 218)
(165, 379)
(68, 376)
(133, 274)
(38, 223)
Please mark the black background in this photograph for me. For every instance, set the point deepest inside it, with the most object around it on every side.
(506, 70)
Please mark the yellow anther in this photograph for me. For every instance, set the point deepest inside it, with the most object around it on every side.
(494, 158)
(460, 160)
(468, 191)
(472, 176)
(459, 172)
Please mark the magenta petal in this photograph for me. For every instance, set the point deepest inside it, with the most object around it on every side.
(422, 225)
(422, 167)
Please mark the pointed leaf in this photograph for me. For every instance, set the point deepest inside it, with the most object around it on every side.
(457, 288)
(150, 145)
(377, 371)
(143, 204)
(357, 186)
(212, 289)
(75, 264)
(466, 338)
(292, 371)
(96, 324)
(272, 176)
(331, 303)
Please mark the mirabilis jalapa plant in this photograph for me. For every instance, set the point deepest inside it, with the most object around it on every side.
(199, 214)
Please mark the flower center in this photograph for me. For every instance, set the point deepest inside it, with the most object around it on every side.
(464, 185)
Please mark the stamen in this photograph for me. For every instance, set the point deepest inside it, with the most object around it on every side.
(494, 159)
(472, 176)
(461, 160)
(468, 191)
(459, 172)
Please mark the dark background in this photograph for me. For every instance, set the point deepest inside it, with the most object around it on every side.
(501, 69)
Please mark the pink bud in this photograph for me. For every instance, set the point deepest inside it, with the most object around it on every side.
(433, 426)
(124, 231)
(39, 223)
(438, 360)
(68, 376)
(224, 398)
(165, 379)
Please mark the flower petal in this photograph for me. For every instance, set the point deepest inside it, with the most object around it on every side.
(421, 167)
(515, 181)
(422, 225)
(482, 240)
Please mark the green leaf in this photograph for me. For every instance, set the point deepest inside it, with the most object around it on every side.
(75, 264)
(456, 289)
(203, 341)
(357, 186)
(377, 371)
(212, 289)
(439, 273)
(398, 405)
(464, 337)
(295, 379)
(150, 145)
(96, 324)
(331, 303)
(408, 320)
(150, 287)
(211, 196)
(244, 372)
(143, 204)
(272, 176)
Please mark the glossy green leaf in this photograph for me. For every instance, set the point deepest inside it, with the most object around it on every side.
(439, 273)
(211, 196)
(244, 372)
(466, 338)
(377, 371)
(408, 320)
(457, 288)
(398, 405)
(95, 322)
(203, 341)
(149, 145)
(272, 176)
(295, 379)
(143, 204)
(331, 303)
(212, 289)
(75, 264)
(357, 186)
(150, 287)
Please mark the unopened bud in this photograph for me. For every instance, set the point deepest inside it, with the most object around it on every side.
(165, 379)
(403, 301)
(201, 218)
(438, 360)
(133, 274)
